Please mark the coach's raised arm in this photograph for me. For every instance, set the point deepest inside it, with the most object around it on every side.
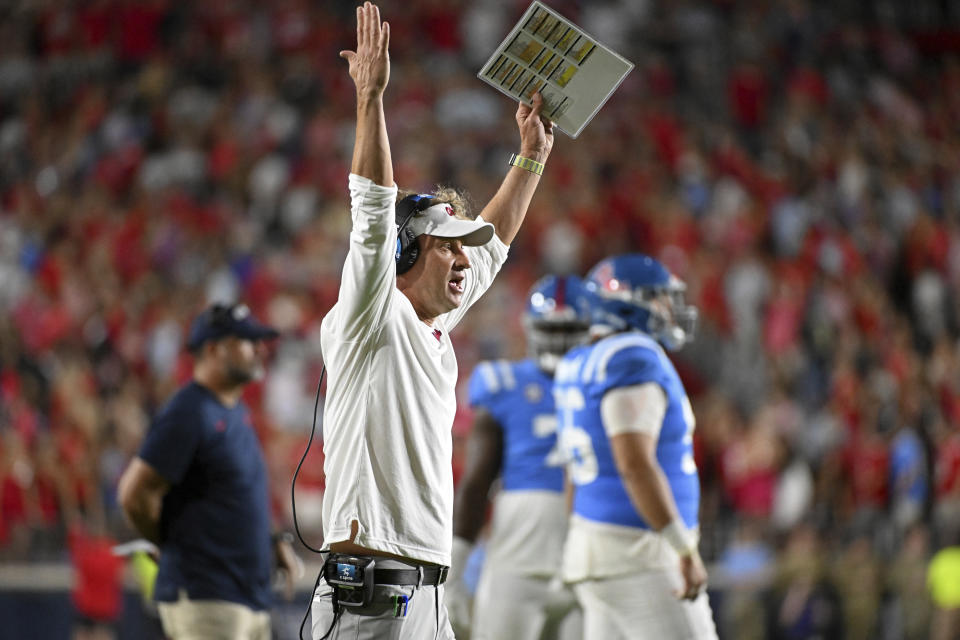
(509, 206)
(370, 70)
(414, 265)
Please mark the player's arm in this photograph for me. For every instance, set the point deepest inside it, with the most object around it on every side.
(484, 455)
(509, 206)
(140, 494)
(632, 417)
(370, 70)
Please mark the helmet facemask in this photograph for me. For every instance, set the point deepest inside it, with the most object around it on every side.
(557, 319)
(671, 321)
(549, 338)
(660, 311)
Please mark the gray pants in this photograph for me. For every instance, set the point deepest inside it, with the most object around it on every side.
(641, 606)
(425, 617)
(521, 607)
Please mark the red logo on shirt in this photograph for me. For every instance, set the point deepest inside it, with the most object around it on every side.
(437, 334)
(449, 210)
(220, 426)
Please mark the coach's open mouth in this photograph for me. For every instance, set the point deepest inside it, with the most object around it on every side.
(456, 284)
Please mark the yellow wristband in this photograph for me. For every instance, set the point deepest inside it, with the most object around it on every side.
(526, 163)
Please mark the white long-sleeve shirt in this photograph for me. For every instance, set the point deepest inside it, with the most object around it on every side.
(391, 393)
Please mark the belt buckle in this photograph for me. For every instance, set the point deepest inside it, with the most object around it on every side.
(442, 575)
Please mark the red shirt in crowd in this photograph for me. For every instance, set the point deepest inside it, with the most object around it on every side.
(866, 462)
(948, 468)
(97, 587)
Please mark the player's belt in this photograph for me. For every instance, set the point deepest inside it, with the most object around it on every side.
(431, 576)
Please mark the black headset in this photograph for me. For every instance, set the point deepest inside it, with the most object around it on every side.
(221, 314)
(407, 249)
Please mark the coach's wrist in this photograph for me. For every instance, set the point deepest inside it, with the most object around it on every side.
(537, 155)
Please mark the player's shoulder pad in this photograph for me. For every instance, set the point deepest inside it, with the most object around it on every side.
(489, 379)
(624, 359)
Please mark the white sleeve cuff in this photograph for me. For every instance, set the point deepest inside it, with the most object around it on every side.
(367, 193)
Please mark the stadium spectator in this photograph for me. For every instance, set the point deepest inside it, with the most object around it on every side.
(803, 603)
(858, 578)
(907, 583)
(98, 580)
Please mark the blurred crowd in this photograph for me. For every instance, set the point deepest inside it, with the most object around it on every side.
(796, 163)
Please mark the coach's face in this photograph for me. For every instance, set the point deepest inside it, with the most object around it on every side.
(434, 285)
(241, 360)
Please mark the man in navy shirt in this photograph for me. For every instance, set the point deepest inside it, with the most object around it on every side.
(198, 489)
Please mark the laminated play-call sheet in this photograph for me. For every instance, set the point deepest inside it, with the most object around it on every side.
(546, 52)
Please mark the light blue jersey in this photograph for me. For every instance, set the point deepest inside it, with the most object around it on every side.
(584, 375)
(518, 396)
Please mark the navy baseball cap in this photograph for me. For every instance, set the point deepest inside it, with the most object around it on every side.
(221, 321)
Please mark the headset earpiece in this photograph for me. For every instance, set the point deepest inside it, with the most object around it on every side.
(407, 249)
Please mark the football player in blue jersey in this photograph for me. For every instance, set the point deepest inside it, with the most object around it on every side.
(626, 428)
(519, 595)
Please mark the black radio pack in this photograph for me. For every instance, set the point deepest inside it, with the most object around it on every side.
(352, 579)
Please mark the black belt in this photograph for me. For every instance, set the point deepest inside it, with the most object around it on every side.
(433, 576)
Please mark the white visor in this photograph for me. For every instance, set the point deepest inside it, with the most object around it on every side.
(440, 221)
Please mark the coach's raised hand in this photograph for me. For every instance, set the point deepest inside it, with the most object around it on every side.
(370, 70)
(370, 63)
(536, 131)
